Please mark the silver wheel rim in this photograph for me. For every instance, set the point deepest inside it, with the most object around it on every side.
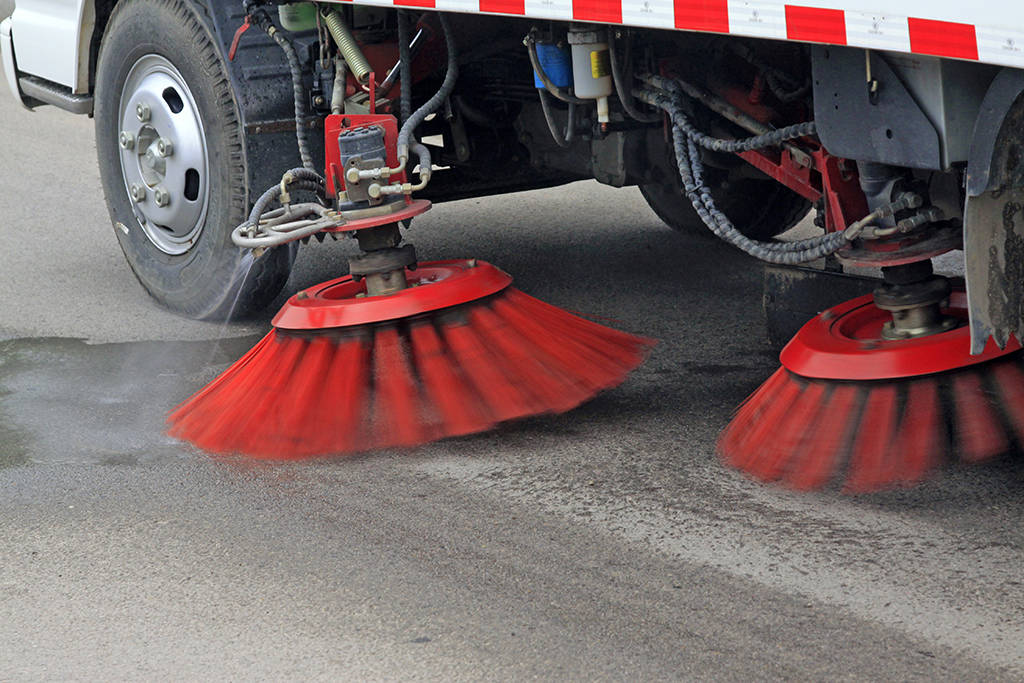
(164, 160)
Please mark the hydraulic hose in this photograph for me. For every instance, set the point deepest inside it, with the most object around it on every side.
(300, 98)
(262, 19)
(549, 117)
(405, 66)
(422, 153)
(623, 90)
(685, 140)
(431, 105)
(304, 180)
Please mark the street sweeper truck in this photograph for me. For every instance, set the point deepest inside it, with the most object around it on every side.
(227, 132)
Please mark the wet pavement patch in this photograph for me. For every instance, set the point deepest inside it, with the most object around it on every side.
(64, 400)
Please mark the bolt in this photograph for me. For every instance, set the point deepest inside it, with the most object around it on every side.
(127, 140)
(138, 192)
(142, 111)
(162, 197)
(319, 100)
(164, 147)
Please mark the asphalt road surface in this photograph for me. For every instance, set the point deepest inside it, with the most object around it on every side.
(607, 543)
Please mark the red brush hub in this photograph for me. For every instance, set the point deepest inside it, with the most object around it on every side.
(433, 286)
(845, 343)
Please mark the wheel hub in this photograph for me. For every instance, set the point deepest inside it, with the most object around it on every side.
(164, 157)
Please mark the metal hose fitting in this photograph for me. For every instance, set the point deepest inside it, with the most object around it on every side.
(347, 45)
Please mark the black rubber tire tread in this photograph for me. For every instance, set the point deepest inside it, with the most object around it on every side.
(213, 279)
(760, 209)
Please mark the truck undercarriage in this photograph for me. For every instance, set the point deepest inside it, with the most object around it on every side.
(378, 111)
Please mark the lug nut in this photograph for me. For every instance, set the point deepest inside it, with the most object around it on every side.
(127, 140)
(138, 192)
(142, 111)
(164, 147)
(162, 197)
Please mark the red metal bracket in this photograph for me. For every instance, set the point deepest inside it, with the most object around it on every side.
(828, 178)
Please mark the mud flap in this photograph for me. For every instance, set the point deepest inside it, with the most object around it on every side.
(993, 216)
(994, 252)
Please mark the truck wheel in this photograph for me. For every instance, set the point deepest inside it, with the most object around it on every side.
(173, 165)
(760, 209)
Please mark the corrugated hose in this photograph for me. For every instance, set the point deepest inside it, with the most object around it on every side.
(687, 140)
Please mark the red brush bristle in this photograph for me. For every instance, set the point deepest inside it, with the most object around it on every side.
(285, 420)
(610, 348)
(399, 421)
(503, 399)
(894, 432)
(259, 408)
(594, 332)
(593, 371)
(342, 410)
(548, 385)
(818, 456)
(457, 404)
(209, 420)
(404, 383)
(184, 417)
(1009, 380)
(920, 441)
(872, 464)
(979, 434)
(222, 379)
(789, 434)
(747, 414)
(751, 447)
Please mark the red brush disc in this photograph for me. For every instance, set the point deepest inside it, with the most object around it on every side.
(867, 413)
(433, 286)
(458, 353)
(845, 342)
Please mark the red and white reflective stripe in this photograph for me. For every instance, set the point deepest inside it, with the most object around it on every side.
(985, 31)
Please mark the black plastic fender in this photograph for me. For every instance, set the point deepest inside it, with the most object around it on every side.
(262, 86)
(998, 134)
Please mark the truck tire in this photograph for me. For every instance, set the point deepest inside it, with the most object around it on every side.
(173, 164)
(760, 209)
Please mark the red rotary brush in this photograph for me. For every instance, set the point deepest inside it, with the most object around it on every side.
(853, 408)
(457, 352)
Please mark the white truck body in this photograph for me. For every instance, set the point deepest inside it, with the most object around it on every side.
(50, 38)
